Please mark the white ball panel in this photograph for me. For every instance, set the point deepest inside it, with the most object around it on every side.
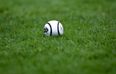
(61, 30)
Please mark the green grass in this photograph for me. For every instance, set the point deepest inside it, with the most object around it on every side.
(88, 45)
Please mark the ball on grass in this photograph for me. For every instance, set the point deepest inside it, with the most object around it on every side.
(53, 28)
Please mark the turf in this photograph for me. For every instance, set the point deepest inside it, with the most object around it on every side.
(88, 45)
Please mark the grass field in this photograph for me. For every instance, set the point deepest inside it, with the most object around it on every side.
(88, 45)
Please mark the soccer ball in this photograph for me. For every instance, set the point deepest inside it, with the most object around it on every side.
(53, 28)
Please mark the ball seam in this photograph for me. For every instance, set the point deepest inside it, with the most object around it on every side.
(50, 29)
(58, 29)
